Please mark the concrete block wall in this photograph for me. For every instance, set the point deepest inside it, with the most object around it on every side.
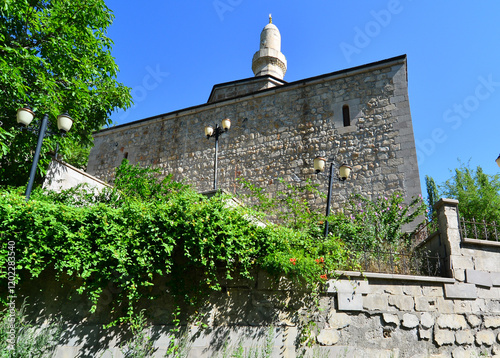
(277, 132)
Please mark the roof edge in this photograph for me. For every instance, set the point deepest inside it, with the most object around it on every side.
(401, 58)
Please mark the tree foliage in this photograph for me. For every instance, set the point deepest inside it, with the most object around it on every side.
(432, 196)
(478, 193)
(55, 57)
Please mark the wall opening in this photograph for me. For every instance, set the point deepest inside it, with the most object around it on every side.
(346, 115)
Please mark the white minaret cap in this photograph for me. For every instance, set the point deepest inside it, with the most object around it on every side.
(269, 60)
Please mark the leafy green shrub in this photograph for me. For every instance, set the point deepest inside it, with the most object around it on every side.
(146, 228)
(288, 206)
(377, 224)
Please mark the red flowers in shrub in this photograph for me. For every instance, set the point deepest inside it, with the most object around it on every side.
(320, 260)
(293, 261)
(323, 277)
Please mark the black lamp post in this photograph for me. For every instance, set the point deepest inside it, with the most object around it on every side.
(498, 160)
(25, 116)
(216, 131)
(344, 172)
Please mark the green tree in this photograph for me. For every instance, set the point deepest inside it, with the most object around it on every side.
(477, 192)
(55, 57)
(432, 195)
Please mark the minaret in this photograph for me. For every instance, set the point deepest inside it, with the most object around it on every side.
(269, 60)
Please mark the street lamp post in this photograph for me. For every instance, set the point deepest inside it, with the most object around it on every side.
(211, 131)
(344, 172)
(25, 116)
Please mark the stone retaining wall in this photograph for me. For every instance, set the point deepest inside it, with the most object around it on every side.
(373, 316)
(357, 315)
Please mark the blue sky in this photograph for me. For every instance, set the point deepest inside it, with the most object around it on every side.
(171, 53)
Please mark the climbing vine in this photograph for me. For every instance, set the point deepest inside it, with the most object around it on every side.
(145, 228)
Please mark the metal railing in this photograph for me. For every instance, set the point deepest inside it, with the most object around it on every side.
(414, 262)
(479, 230)
(424, 230)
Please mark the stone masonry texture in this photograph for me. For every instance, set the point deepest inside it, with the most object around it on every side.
(277, 132)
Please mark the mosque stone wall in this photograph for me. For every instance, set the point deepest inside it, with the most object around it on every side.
(277, 132)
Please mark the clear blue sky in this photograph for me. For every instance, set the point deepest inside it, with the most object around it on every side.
(171, 53)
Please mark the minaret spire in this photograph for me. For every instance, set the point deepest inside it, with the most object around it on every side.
(269, 60)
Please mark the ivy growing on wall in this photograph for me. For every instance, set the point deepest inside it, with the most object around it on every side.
(145, 228)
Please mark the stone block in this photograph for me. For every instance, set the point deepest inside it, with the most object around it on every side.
(375, 302)
(393, 289)
(328, 337)
(461, 291)
(451, 321)
(461, 262)
(425, 304)
(413, 290)
(461, 352)
(350, 301)
(390, 318)
(478, 305)
(495, 278)
(464, 337)
(492, 321)
(444, 337)
(445, 306)
(410, 320)
(480, 278)
(485, 337)
(339, 320)
(432, 291)
(474, 320)
(460, 306)
(487, 261)
(349, 286)
(493, 306)
(427, 320)
(425, 334)
(459, 275)
(488, 292)
(496, 349)
(403, 303)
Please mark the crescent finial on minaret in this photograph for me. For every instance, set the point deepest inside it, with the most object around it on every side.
(270, 18)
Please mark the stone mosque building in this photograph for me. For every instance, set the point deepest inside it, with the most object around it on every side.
(359, 116)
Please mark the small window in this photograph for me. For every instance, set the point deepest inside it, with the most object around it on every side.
(346, 115)
(125, 155)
